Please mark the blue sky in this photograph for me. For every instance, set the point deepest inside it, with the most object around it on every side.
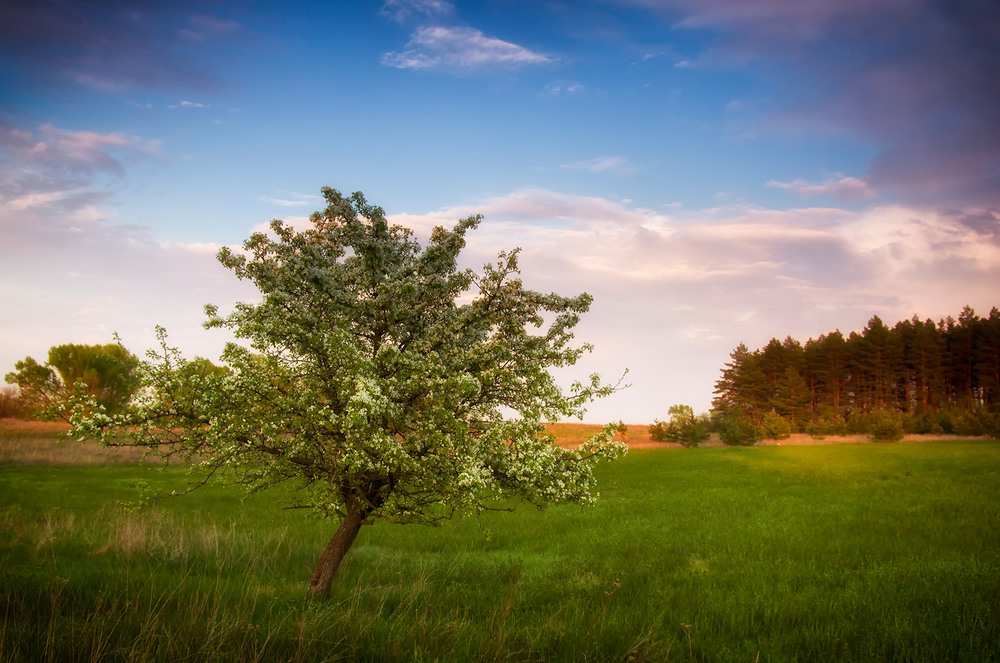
(713, 172)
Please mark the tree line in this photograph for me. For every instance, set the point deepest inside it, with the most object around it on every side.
(917, 376)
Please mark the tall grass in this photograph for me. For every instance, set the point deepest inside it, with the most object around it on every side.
(851, 552)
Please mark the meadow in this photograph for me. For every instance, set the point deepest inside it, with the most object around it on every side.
(850, 552)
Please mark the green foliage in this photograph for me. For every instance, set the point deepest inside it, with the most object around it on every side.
(377, 377)
(830, 422)
(737, 429)
(775, 427)
(105, 373)
(38, 387)
(886, 426)
(683, 427)
(991, 424)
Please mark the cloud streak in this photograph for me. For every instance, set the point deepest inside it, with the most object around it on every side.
(406, 10)
(615, 164)
(461, 49)
(841, 187)
(51, 166)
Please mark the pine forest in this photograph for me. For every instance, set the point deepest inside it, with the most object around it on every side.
(920, 376)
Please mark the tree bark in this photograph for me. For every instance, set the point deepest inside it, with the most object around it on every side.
(333, 555)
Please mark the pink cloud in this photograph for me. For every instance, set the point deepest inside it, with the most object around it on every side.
(843, 188)
(63, 169)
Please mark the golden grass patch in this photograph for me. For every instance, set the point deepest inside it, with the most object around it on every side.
(46, 443)
(570, 435)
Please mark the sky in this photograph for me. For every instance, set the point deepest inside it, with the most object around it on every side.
(713, 172)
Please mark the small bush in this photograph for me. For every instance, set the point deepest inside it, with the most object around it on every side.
(776, 427)
(886, 426)
(11, 403)
(739, 430)
(683, 427)
(991, 424)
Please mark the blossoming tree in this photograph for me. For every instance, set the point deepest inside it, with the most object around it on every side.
(378, 378)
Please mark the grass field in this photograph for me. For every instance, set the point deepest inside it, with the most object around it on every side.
(811, 553)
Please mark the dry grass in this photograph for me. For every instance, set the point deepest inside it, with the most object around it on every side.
(572, 435)
(11, 426)
(45, 443)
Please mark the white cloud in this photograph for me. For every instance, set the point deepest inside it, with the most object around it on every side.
(649, 56)
(461, 49)
(34, 200)
(293, 200)
(838, 186)
(603, 165)
(404, 10)
(84, 145)
(560, 88)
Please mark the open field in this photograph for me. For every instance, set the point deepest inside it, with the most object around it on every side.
(791, 553)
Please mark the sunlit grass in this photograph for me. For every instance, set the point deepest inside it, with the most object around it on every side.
(852, 552)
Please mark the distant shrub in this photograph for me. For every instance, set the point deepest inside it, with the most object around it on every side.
(886, 426)
(776, 427)
(683, 427)
(924, 422)
(11, 403)
(991, 425)
(739, 430)
(971, 422)
(829, 422)
(858, 423)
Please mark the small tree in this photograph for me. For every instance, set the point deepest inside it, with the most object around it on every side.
(682, 427)
(11, 403)
(378, 378)
(38, 386)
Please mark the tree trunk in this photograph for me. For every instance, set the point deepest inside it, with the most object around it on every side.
(329, 561)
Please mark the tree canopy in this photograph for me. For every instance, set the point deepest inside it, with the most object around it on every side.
(379, 378)
(107, 373)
